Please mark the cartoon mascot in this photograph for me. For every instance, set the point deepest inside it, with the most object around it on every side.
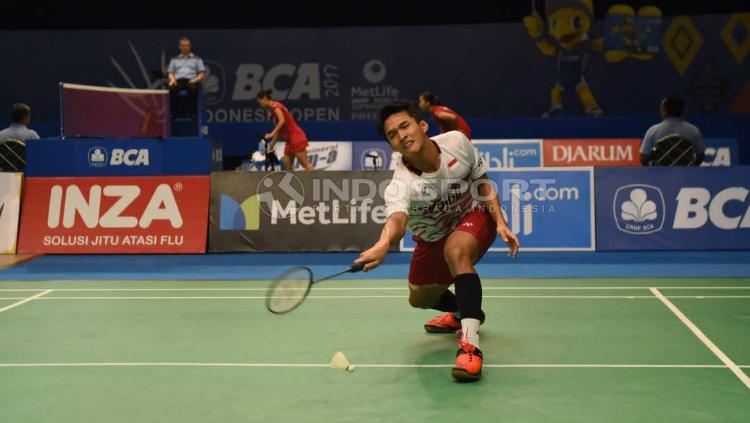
(567, 36)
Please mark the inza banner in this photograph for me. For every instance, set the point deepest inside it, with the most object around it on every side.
(157, 214)
(123, 157)
(592, 152)
(296, 211)
(10, 205)
(673, 208)
(548, 209)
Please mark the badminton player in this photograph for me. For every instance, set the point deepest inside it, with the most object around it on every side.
(431, 195)
(296, 140)
(445, 118)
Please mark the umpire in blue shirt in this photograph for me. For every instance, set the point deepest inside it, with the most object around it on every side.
(185, 72)
(665, 142)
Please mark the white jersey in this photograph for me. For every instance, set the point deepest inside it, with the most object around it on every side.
(436, 202)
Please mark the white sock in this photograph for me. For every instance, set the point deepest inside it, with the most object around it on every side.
(470, 327)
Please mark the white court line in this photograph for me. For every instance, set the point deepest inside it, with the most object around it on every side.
(25, 300)
(374, 288)
(707, 342)
(377, 366)
(238, 297)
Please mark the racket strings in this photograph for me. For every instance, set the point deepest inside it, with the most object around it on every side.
(289, 291)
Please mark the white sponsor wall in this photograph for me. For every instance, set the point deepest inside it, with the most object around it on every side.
(10, 206)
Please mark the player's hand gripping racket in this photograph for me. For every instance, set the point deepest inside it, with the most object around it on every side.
(290, 289)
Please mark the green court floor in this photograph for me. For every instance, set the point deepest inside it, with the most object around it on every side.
(593, 350)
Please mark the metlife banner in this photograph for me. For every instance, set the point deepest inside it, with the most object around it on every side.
(10, 205)
(673, 208)
(548, 209)
(296, 211)
(123, 157)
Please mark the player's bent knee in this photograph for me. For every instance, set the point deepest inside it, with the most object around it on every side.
(457, 257)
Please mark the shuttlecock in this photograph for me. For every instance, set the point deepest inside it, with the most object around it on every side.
(339, 361)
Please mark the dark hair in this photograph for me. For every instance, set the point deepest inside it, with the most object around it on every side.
(397, 106)
(431, 98)
(674, 105)
(264, 94)
(19, 111)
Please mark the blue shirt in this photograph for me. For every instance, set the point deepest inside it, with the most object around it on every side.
(673, 126)
(186, 66)
(18, 131)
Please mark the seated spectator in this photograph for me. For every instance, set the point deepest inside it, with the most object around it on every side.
(674, 141)
(20, 117)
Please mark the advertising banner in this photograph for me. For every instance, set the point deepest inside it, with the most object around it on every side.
(296, 211)
(348, 73)
(123, 157)
(592, 152)
(324, 155)
(548, 209)
(10, 205)
(372, 155)
(159, 214)
(673, 208)
(721, 152)
(509, 154)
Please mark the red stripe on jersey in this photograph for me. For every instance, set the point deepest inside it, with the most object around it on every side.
(452, 162)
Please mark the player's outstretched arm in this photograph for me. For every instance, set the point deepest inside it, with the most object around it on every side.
(491, 202)
(393, 230)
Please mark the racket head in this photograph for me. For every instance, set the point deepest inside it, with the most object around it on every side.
(289, 290)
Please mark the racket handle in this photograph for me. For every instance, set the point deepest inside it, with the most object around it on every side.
(357, 267)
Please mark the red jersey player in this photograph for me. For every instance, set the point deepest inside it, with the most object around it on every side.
(446, 118)
(296, 140)
(431, 195)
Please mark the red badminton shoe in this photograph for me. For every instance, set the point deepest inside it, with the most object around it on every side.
(444, 323)
(468, 363)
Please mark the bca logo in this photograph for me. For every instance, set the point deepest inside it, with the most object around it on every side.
(373, 158)
(97, 157)
(133, 157)
(721, 156)
(639, 209)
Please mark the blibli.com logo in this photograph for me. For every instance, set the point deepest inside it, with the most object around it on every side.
(639, 209)
(535, 196)
(510, 154)
(244, 216)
